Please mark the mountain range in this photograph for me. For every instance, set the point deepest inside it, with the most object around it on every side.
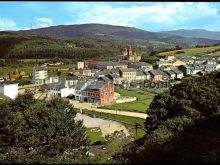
(195, 33)
(184, 38)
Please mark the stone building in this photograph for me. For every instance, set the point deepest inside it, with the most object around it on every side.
(129, 54)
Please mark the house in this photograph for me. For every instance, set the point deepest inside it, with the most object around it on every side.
(196, 68)
(199, 61)
(86, 72)
(114, 71)
(9, 89)
(177, 63)
(156, 75)
(165, 76)
(129, 74)
(39, 75)
(94, 91)
(187, 70)
(148, 75)
(217, 67)
(53, 80)
(170, 58)
(178, 73)
(187, 60)
(140, 76)
(164, 63)
(80, 65)
(210, 68)
(4, 77)
(94, 71)
(100, 93)
(109, 65)
(171, 74)
(104, 79)
(60, 89)
(211, 62)
(14, 75)
(141, 65)
(80, 94)
(116, 79)
(70, 80)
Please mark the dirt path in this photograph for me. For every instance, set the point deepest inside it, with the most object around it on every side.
(106, 126)
(89, 106)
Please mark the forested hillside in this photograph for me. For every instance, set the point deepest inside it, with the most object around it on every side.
(22, 46)
(183, 125)
(15, 45)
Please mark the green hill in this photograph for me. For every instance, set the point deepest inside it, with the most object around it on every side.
(121, 33)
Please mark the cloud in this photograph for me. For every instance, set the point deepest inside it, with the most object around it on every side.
(168, 14)
(43, 22)
(7, 24)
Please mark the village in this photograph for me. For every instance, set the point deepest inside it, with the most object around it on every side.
(94, 82)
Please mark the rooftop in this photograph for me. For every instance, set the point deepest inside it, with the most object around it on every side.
(155, 72)
(38, 68)
(128, 69)
(2, 83)
(142, 64)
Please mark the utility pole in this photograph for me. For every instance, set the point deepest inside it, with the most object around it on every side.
(136, 127)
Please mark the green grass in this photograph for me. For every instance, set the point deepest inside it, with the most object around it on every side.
(216, 54)
(142, 103)
(191, 51)
(94, 136)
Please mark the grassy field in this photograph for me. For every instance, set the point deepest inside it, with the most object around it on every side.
(191, 51)
(142, 103)
(94, 136)
(216, 54)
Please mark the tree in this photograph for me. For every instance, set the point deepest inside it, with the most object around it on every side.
(38, 131)
(182, 126)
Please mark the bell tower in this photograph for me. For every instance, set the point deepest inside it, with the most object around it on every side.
(129, 50)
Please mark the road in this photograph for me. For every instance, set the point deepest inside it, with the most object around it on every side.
(89, 106)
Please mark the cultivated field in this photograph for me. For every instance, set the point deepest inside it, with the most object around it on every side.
(192, 52)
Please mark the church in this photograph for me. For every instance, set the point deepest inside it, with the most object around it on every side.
(128, 54)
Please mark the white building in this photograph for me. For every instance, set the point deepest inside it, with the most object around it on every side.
(39, 75)
(53, 80)
(170, 58)
(9, 89)
(80, 65)
(60, 89)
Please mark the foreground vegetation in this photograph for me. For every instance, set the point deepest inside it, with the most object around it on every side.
(93, 136)
(182, 126)
(34, 131)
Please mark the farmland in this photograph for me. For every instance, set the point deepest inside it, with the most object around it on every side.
(192, 51)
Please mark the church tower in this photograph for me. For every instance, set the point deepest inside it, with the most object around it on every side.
(130, 51)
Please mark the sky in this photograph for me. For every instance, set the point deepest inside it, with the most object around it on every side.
(150, 16)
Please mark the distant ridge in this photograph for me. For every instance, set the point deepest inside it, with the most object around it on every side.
(111, 32)
(195, 33)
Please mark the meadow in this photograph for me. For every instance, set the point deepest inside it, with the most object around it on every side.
(192, 52)
(142, 103)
